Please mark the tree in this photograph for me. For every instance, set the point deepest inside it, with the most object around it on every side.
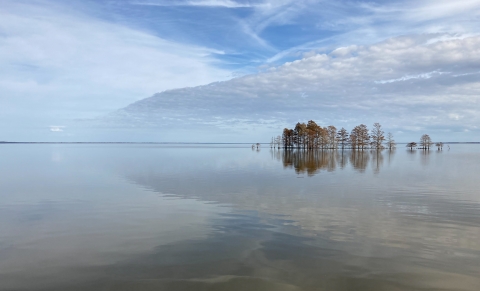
(439, 145)
(359, 137)
(323, 137)
(278, 141)
(411, 145)
(353, 139)
(377, 136)
(287, 137)
(300, 133)
(342, 137)
(332, 141)
(312, 134)
(425, 142)
(390, 141)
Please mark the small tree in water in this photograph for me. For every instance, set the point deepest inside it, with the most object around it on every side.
(390, 141)
(332, 132)
(342, 137)
(359, 137)
(425, 142)
(411, 145)
(278, 141)
(439, 145)
(377, 136)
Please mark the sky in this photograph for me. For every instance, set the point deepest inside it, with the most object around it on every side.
(236, 71)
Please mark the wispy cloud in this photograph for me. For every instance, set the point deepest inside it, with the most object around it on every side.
(56, 128)
(347, 23)
(410, 77)
(54, 61)
(200, 3)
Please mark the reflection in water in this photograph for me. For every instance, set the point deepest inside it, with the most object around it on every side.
(425, 157)
(359, 160)
(314, 161)
(164, 218)
(310, 161)
(377, 161)
(391, 153)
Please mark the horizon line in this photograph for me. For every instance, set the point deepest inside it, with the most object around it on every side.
(172, 143)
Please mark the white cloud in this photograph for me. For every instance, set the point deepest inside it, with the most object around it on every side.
(435, 9)
(339, 87)
(409, 77)
(56, 128)
(53, 59)
(57, 62)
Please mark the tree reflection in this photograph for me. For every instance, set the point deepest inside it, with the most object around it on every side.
(359, 160)
(309, 161)
(390, 156)
(425, 158)
(314, 161)
(377, 161)
(342, 159)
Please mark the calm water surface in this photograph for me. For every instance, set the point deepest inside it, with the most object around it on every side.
(153, 217)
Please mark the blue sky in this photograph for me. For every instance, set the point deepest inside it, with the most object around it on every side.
(236, 70)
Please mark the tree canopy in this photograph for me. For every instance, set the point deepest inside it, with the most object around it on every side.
(313, 136)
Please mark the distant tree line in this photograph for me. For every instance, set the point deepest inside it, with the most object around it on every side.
(425, 143)
(313, 136)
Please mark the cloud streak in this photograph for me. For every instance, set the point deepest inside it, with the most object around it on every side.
(347, 23)
(199, 3)
(409, 77)
(342, 89)
(56, 128)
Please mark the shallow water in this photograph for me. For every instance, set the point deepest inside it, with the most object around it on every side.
(158, 217)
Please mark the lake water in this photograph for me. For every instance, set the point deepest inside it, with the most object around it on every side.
(158, 217)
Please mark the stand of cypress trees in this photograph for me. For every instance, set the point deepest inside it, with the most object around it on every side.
(313, 136)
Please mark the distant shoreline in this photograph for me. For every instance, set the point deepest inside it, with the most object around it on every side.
(175, 143)
(117, 142)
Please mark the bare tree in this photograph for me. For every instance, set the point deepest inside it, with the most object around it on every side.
(342, 137)
(332, 141)
(390, 141)
(425, 142)
(377, 136)
(364, 137)
(439, 145)
(411, 145)
(360, 137)
(353, 139)
(278, 141)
